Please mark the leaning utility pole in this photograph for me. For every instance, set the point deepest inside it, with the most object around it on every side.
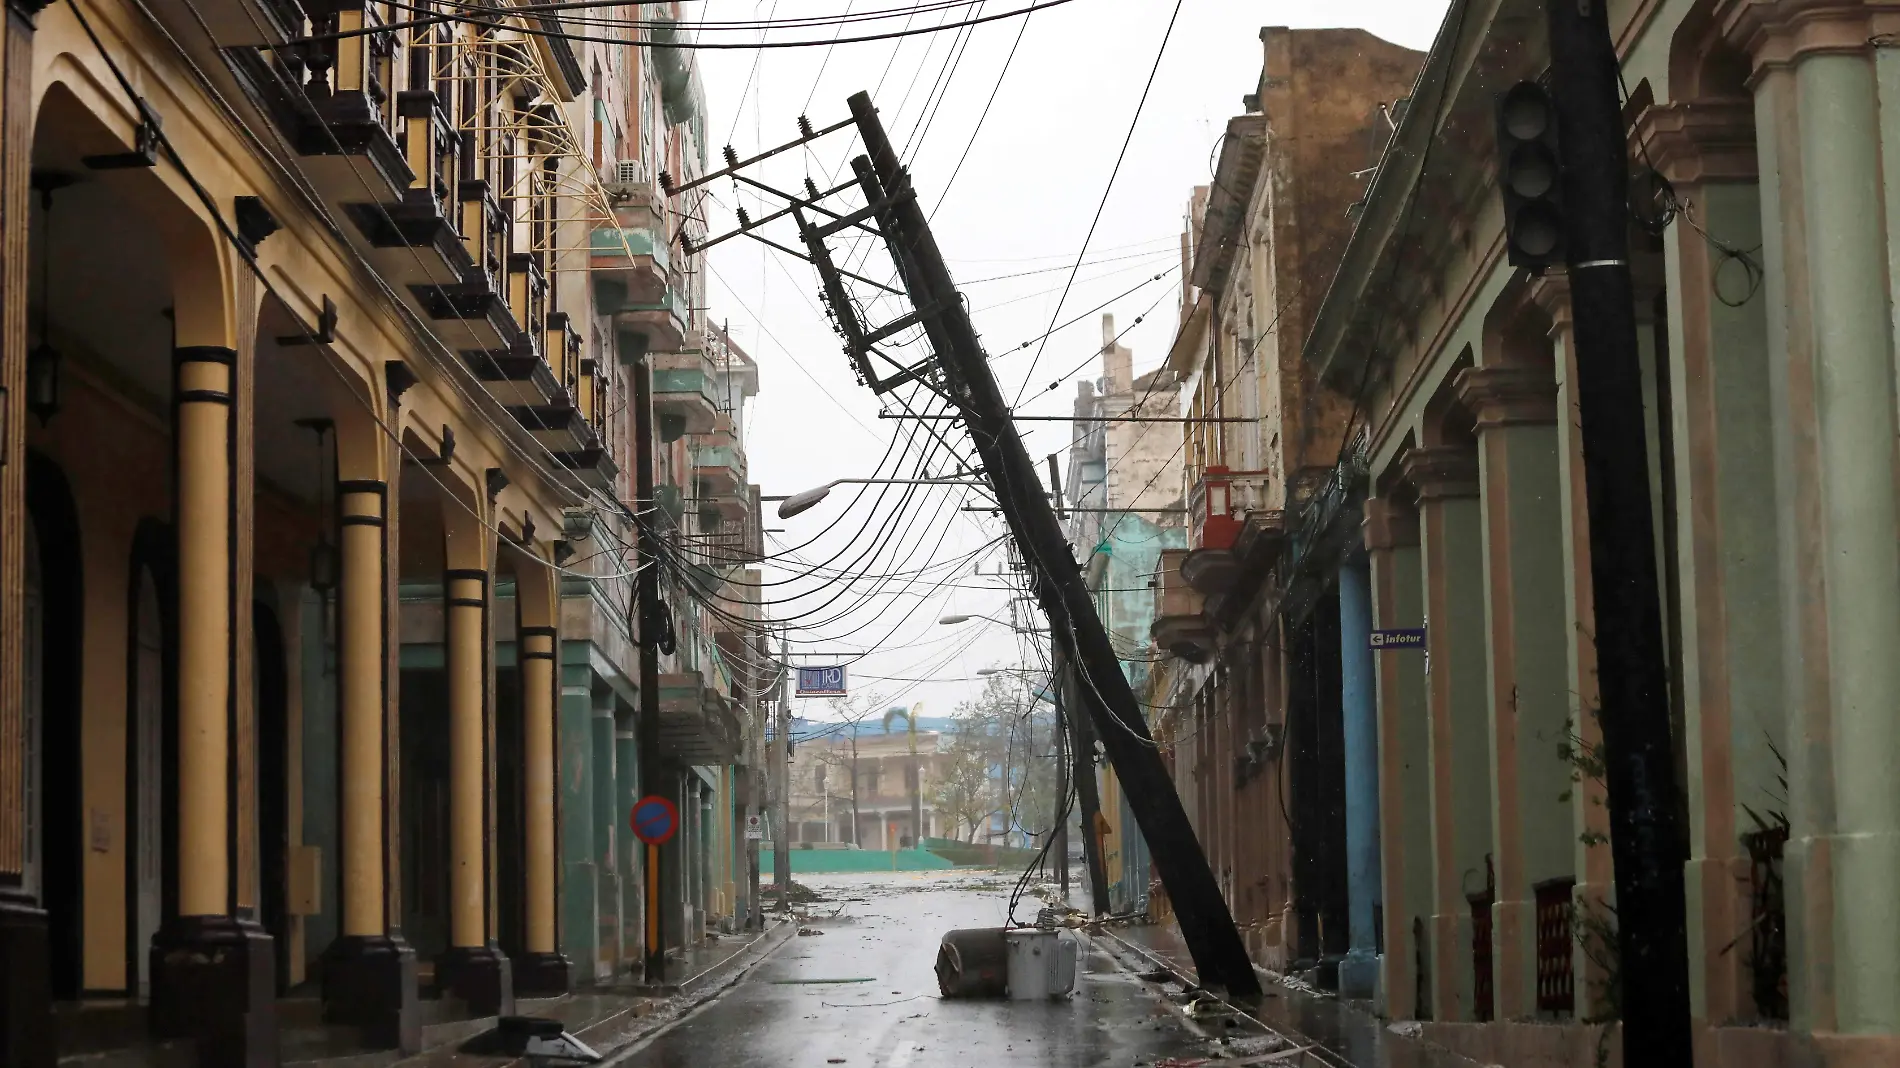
(958, 370)
(962, 368)
(647, 594)
(1646, 836)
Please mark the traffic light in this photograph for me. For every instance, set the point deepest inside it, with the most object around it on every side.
(1531, 177)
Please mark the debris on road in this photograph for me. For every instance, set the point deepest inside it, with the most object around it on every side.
(800, 893)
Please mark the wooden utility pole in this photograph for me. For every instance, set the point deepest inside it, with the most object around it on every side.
(1646, 834)
(962, 370)
(647, 595)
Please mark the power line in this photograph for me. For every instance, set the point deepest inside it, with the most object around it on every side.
(1127, 140)
(684, 45)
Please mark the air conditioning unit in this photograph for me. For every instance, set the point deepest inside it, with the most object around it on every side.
(629, 177)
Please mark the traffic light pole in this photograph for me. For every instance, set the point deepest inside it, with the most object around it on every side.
(963, 371)
(1646, 836)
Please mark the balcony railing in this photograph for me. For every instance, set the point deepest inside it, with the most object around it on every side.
(686, 388)
(1556, 983)
(1219, 503)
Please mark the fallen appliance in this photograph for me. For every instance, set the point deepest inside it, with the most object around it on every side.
(1019, 963)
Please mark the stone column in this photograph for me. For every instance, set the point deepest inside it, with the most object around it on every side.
(1446, 478)
(580, 761)
(369, 978)
(1828, 153)
(27, 1032)
(1405, 774)
(1516, 411)
(212, 970)
(543, 971)
(1727, 552)
(1358, 973)
(473, 968)
(1595, 890)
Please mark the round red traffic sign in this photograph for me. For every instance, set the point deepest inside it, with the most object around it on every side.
(655, 819)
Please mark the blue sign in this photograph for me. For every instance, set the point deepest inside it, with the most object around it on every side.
(1400, 638)
(821, 682)
(655, 819)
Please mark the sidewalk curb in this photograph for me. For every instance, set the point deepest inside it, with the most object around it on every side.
(696, 989)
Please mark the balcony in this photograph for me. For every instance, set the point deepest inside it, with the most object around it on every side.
(527, 293)
(698, 725)
(412, 241)
(1220, 502)
(686, 388)
(485, 331)
(666, 323)
(726, 541)
(720, 469)
(1181, 626)
(629, 261)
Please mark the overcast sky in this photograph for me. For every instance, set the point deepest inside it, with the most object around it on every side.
(1022, 202)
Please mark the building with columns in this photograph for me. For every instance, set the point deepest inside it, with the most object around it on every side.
(1264, 707)
(1765, 304)
(317, 675)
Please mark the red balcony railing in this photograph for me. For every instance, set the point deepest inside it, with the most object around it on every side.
(1556, 982)
(1219, 503)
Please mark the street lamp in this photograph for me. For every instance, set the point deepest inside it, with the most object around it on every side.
(798, 502)
(953, 620)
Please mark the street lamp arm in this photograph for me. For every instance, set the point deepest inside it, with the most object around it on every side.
(795, 503)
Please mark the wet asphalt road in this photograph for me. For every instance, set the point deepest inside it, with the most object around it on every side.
(886, 930)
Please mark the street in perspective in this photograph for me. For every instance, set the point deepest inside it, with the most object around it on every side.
(949, 533)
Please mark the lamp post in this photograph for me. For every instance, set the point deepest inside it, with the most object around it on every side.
(795, 503)
(953, 620)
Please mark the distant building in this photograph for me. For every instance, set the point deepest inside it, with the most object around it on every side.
(1125, 508)
(826, 756)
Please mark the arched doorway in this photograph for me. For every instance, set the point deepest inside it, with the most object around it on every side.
(151, 717)
(55, 827)
(33, 640)
(147, 692)
(272, 704)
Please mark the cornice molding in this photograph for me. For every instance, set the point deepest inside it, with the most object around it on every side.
(1700, 140)
(1442, 472)
(1778, 33)
(1389, 525)
(1508, 396)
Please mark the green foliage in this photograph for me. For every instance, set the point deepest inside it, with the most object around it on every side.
(1593, 925)
(1767, 929)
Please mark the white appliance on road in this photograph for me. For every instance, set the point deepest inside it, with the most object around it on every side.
(1041, 963)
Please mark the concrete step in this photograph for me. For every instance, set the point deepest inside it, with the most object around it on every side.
(178, 1054)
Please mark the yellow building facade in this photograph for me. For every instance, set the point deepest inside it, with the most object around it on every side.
(300, 318)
